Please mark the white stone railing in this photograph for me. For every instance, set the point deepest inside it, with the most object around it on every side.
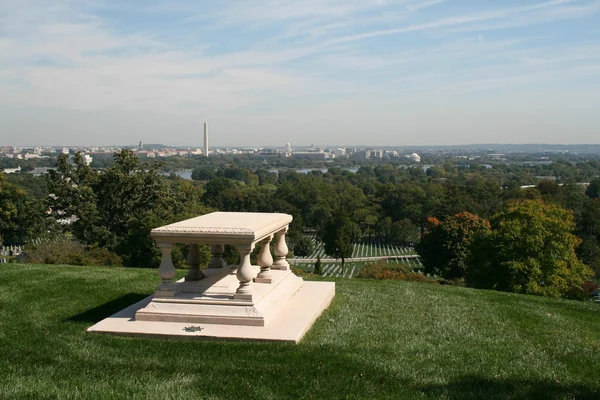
(241, 230)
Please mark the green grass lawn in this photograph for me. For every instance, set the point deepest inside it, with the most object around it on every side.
(379, 339)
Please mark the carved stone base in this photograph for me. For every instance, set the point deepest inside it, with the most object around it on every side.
(165, 293)
(294, 319)
(166, 289)
(216, 300)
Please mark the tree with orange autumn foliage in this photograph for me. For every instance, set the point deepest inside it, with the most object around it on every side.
(445, 247)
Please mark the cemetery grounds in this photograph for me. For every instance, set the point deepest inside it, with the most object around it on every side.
(363, 253)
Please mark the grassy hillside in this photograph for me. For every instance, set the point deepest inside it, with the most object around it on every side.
(378, 340)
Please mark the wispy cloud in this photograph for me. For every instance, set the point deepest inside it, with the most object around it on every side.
(470, 19)
(209, 57)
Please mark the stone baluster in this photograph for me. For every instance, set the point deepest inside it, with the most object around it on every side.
(265, 260)
(281, 251)
(217, 256)
(193, 259)
(245, 274)
(166, 271)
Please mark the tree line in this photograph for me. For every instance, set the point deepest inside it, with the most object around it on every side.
(116, 207)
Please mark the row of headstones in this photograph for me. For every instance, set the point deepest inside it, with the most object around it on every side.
(11, 251)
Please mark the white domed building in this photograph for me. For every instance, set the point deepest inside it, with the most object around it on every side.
(415, 157)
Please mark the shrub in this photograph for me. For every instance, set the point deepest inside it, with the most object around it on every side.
(65, 250)
(298, 271)
(585, 292)
(303, 246)
(382, 271)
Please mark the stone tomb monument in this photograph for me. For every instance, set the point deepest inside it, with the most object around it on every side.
(264, 302)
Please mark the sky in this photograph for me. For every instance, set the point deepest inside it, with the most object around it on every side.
(323, 72)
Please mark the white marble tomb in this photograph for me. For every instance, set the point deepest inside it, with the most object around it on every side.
(264, 302)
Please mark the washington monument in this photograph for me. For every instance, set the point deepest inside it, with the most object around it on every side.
(206, 138)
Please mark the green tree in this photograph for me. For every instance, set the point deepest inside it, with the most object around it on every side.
(404, 201)
(588, 229)
(21, 216)
(404, 232)
(367, 220)
(116, 209)
(445, 247)
(593, 189)
(203, 173)
(339, 236)
(70, 187)
(318, 270)
(383, 230)
(266, 177)
(531, 250)
(217, 190)
(303, 246)
(35, 186)
(132, 198)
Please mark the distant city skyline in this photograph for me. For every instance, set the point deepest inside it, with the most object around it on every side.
(353, 72)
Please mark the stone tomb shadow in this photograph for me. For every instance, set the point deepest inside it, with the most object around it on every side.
(96, 314)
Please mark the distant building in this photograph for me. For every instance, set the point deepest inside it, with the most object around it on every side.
(373, 154)
(65, 150)
(40, 171)
(12, 170)
(268, 152)
(340, 152)
(314, 155)
(415, 157)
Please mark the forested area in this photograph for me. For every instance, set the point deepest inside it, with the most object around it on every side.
(469, 222)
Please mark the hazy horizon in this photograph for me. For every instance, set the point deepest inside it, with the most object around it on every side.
(388, 73)
(476, 146)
